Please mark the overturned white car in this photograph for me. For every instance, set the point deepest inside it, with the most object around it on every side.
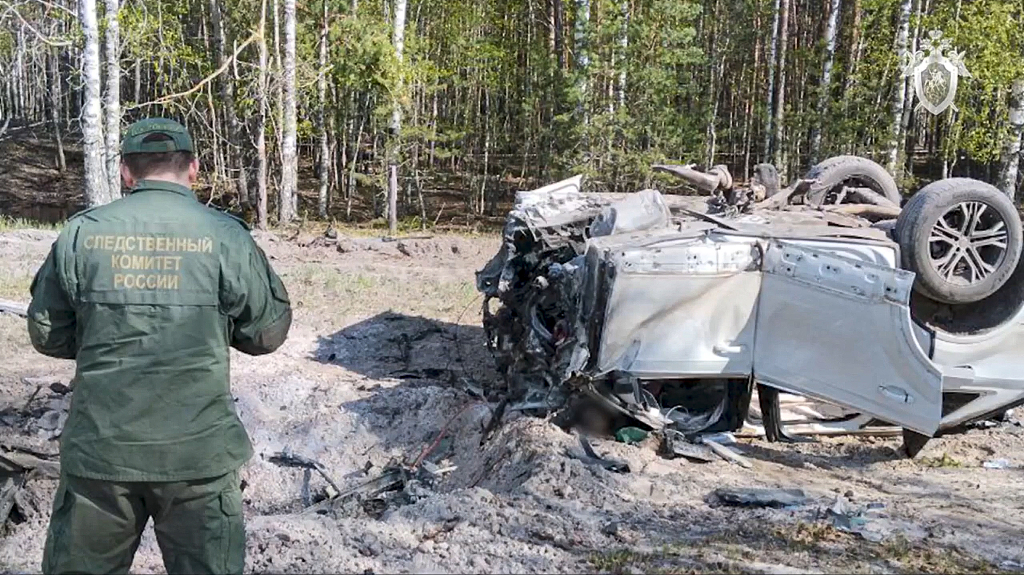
(675, 311)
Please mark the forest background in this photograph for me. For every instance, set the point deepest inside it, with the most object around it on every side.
(425, 112)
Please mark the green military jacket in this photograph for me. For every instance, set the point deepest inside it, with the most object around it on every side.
(147, 294)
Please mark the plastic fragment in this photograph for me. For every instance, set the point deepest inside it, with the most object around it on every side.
(630, 435)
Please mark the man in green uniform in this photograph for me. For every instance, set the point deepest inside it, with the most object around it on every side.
(147, 294)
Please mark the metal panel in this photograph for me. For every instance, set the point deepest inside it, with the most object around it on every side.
(683, 308)
(840, 330)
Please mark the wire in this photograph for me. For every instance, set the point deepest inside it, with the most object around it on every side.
(437, 441)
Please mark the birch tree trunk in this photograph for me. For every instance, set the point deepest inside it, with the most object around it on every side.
(581, 30)
(487, 149)
(55, 106)
(908, 110)
(96, 182)
(825, 85)
(278, 76)
(261, 127)
(113, 131)
(138, 81)
(289, 155)
(396, 120)
(325, 148)
(624, 51)
(710, 135)
(780, 92)
(899, 96)
(227, 94)
(1012, 150)
(750, 105)
(773, 64)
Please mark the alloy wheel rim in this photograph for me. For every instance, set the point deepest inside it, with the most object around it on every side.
(968, 243)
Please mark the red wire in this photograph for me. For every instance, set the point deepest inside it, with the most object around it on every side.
(430, 448)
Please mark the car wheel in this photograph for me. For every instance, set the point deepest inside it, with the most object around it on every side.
(962, 238)
(900, 222)
(839, 171)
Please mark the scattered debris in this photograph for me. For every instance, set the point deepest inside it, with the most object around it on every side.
(755, 497)
(8, 496)
(429, 373)
(1011, 417)
(14, 308)
(52, 420)
(17, 466)
(291, 460)
(702, 448)
(727, 453)
(722, 438)
(44, 417)
(44, 380)
(24, 408)
(395, 486)
(675, 444)
(496, 416)
(20, 462)
(590, 457)
(997, 464)
(870, 522)
(630, 435)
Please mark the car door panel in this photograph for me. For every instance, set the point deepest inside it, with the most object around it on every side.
(839, 329)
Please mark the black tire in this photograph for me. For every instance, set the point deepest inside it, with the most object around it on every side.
(910, 205)
(768, 176)
(940, 240)
(836, 171)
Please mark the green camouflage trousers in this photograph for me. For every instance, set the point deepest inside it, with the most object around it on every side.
(96, 525)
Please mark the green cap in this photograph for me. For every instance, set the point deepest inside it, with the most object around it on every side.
(133, 142)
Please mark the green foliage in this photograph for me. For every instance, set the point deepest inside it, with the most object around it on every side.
(483, 79)
(991, 35)
(362, 58)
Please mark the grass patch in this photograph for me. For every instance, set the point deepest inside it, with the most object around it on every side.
(9, 224)
(15, 287)
(378, 228)
(944, 462)
(816, 546)
(348, 292)
(845, 552)
(917, 559)
(669, 560)
(408, 227)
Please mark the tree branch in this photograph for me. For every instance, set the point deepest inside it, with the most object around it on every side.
(58, 7)
(227, 64)
(24, 22)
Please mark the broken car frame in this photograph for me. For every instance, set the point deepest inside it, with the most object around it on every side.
(676, 310)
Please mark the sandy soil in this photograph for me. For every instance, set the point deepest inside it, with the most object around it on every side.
(385, 346)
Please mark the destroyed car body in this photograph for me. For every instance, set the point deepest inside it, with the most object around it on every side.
(676, 311)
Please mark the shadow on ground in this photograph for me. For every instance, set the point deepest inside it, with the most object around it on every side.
(394, 345)
(853, 455)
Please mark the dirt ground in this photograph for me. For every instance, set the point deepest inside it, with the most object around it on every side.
(385, 346)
